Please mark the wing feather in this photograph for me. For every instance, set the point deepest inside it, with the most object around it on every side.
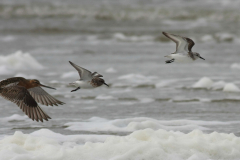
(11, 81)
(43, 97)
(190, 44)
(183, 44)
(20, 96)
(83, 73)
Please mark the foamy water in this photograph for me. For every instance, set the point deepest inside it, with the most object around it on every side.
(146, 113)
(142, 144)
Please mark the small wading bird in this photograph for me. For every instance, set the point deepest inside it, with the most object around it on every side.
(183, 51)
(25, 93)
(87, 78)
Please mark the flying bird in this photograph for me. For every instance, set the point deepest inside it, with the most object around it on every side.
(87, 78)
(183, 51)
(26, 93)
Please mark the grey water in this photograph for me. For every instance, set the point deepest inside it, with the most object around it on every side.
(123, 42)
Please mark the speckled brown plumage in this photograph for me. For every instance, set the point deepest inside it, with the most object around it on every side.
(26, 93)
(97, 82)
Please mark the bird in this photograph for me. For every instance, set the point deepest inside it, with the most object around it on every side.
(183, 51)
(26, 93)
(87, 79)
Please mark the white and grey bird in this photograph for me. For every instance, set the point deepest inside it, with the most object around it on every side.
(87, 78)
(183, 51)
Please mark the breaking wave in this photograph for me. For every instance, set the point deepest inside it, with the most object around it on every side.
(18, 61)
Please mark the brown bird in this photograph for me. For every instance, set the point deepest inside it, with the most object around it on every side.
(26, 93)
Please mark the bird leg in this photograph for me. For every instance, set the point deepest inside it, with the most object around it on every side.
(75, 89)
(170, 61)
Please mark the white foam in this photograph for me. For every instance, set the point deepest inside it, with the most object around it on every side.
(204, 82)
(137, 78)
(15, 117)
(143, 144)
(111, 70)
(231, 87)
(226, 37)
(207, 38)
(218, 85)
(235, 66)
(20, 61)
(207, 83)
(74, 138)
(97, 124)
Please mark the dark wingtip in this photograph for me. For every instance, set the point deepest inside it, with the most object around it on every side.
(71, 63)
(165, 33)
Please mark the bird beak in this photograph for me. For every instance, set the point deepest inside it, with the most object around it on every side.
(106, 84)
(46, 86)
(201, 57)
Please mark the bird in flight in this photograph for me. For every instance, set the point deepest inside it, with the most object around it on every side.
(183, 51)
(87, 78)
(26, 93)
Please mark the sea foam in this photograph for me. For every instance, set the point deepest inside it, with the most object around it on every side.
(19, 61)
(231, 87)
(97, 124)
(208, 83)
(204, 82)
(137, 78)
(142, 144)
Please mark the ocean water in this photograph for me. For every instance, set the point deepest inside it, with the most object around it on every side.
(152, 110)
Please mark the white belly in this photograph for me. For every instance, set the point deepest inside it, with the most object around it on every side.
(180, 58)
(83, 84)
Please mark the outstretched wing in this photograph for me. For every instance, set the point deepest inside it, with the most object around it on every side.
(183, 44)
(41, 96)
(25, 101)
(190, 44)
(83, 73)
(11, 81)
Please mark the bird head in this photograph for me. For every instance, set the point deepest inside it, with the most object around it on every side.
(198, 55)
(36, 83)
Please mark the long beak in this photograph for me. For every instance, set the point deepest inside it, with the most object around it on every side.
(106, 84)
(201, 57)
(46, 86)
